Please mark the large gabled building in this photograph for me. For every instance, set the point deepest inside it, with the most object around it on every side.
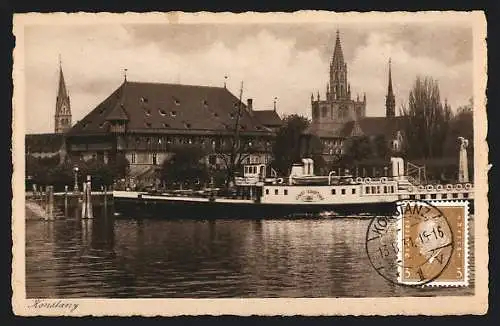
(144, 121)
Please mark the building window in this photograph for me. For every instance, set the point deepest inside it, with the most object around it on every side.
(275, 191)
(333, 191)
(173, 113)
(343, 191)
(422, 197)
(385, 189)
(154, 159)
(466, 195)
(433, 196)
(286, 192)
(177, 102)
(267, 191)
(147, 112)
(132, 158)
(444, 196)
(188, 125)
(412, 196)
(353, 191)
(162, 112)
(166, 125)
(148, 124)
(324, 111)
(144, 100)
(367, 190)
(455, 195)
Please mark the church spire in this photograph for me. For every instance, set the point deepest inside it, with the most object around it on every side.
(62, 117)
(338, 72)
(390, 102)
(338, 55)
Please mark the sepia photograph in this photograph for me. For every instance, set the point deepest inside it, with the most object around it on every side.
(249, 156)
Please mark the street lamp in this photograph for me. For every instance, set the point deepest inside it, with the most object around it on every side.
(75, 170)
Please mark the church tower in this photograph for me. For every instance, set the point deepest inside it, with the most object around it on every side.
(339, 86)
(390, 102)
(62, 118)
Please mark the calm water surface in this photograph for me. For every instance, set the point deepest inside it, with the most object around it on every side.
(109, 257)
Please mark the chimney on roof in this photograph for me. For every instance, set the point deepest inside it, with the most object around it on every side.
(249, 104)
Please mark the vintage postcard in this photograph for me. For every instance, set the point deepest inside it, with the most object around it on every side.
(307, 163)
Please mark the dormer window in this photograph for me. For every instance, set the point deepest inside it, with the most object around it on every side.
(144, 99)
(205, 103)
(177, 102)
(162, 112)
(148, 125)
(101, 125)
(166, 125)
(187, 125)
(216, 114)
(231, 115)
(147, 112)
(173, 113)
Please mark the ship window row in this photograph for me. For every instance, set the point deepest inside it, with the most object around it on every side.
(435, 196)
(343, 191)
(276, 192)
(379, 189)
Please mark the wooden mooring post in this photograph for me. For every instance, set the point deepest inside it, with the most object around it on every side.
(87, 212)
(65, 200)
(49, 203)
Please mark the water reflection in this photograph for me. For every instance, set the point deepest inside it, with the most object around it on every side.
(107, 257)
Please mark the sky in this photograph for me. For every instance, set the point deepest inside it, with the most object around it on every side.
(288, 61)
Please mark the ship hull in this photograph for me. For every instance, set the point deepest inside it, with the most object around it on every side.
(205, 209)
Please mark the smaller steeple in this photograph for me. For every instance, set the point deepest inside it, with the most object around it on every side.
(125, 75)
(390, 102)
(318, 95)
(62, 117)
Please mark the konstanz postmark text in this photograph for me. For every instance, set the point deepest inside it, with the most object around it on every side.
(413, 247)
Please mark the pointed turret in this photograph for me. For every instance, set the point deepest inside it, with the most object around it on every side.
(62, 117)
(338, 55)
(338, 71)
(390, 102)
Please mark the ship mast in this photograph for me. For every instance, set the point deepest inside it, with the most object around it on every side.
(236, 142)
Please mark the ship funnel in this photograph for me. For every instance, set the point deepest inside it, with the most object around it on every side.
(308, 166)
(398, 167)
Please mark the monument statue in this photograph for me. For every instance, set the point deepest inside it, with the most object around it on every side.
(463, 170)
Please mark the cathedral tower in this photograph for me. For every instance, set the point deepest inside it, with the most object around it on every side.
(62, 117)
(390, 102)
(330, 113)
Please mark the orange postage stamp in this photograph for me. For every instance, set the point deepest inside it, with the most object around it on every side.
(434, 242)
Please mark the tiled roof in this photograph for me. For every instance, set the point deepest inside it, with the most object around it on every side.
(368, 126)
(268, 118)
(374, 126)
(169, 107)
(44, 143)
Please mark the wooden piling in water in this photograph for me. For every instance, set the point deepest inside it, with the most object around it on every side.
(49, 210)
(105, 198)
(65, 200)
(87, 212)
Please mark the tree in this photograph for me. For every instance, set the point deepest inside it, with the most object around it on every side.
(287, 148)
(185, 166)
(357, 149)
(426, 120)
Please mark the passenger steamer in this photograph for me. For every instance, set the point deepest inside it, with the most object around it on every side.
(302, 193)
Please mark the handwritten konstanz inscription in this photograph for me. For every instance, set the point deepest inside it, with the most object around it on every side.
(53, 304)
